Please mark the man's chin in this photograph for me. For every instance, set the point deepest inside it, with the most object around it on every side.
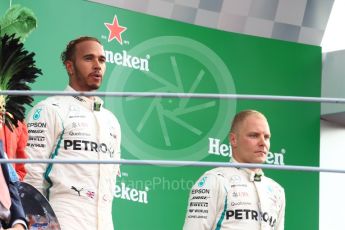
(260, 160)
(94, 87)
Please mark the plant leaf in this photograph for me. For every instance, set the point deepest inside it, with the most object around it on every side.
(18, 20)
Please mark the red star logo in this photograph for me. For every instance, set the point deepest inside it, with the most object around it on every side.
(115, 30)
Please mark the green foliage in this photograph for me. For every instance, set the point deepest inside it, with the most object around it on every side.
(18, 20)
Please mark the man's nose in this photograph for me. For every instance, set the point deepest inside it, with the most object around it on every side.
(262, 140)
(96, 64)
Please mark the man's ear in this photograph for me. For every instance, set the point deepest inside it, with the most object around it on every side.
(233, 139)
(69, 67)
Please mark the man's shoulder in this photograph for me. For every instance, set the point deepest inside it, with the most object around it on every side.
(107, 111)
(220, 172)
(274, 184)
(110, 114)
(53, 104)
(51, 101)
(216, 178)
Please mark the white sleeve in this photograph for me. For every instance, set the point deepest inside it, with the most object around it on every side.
(281, 215)
(44, 126)
(206, 203)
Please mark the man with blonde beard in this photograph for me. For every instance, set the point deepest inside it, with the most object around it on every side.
(239, 198)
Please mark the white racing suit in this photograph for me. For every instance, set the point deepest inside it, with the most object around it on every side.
(230, 199)
(72, 128)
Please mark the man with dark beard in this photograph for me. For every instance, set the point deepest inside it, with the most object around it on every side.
(76, 127)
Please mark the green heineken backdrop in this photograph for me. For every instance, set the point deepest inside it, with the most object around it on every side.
(151, 54)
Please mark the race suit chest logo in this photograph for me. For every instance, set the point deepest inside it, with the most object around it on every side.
(123, 58)
(200, 191)
(198, 204)
(36, 132)
(198, 207)
(37, 138)
(37, 125)
(248, 214)
(202, 181)
(37, 114)
(83, 192)
(85, 145)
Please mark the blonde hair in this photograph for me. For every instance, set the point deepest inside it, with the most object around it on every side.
(241, 116)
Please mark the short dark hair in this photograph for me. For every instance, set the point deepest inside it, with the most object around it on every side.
(68, 53)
